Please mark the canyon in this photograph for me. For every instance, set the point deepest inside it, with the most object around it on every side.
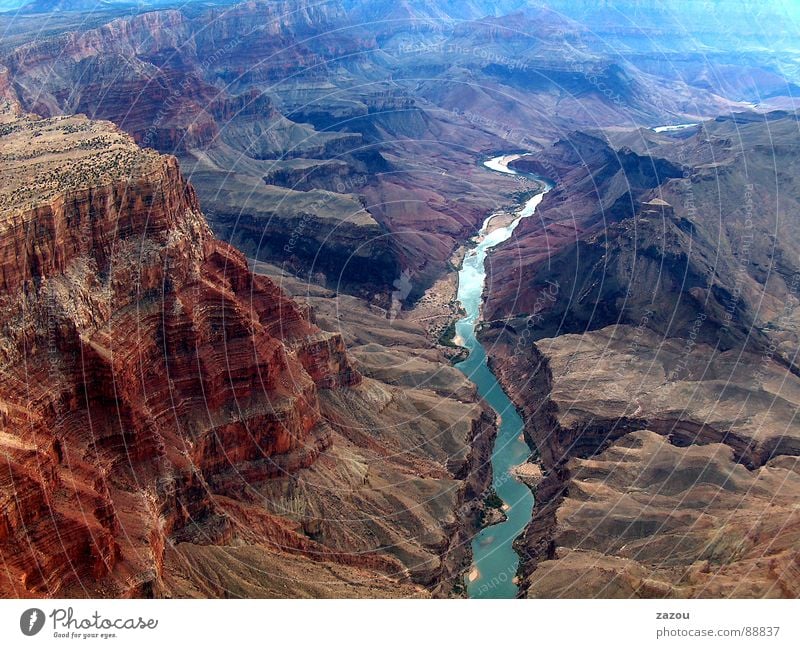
(272, 107)
(238, 341)
(658, 379)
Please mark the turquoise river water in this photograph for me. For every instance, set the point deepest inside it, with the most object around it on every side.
(495, 562)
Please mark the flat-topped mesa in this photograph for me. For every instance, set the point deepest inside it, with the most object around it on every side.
(72, 188)
(145, 370)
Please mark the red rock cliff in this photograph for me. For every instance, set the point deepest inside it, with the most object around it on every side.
(145, 370)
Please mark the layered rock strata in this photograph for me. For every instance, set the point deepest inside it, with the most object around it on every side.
(156, 393)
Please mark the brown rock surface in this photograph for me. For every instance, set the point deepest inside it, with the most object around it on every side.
(411, 445)
(163, 410)
(669, 469)
(645, 518)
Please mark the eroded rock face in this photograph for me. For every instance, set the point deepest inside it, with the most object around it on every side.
(596, 187)
(146, 371)
(670, 469)
(687, 236)
(184, 84)
(670, 521)
(175, 425)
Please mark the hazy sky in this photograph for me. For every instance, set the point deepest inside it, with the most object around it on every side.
(696, 11)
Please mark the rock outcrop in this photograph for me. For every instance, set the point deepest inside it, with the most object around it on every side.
(158, 397)
(596, 187)
(138, 351)
(669, 470)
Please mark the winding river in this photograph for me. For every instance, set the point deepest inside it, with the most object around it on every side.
(494, 560)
